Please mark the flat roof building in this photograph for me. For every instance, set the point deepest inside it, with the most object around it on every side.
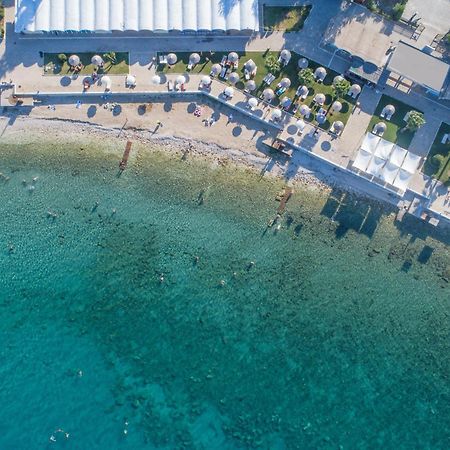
(135, 15)
(420, 67)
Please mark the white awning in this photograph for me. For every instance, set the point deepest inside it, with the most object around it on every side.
(389, 172)
(384, 149)
(135, 15)
(375, 166)
(362, 160)
(411, 162)
(370, 142)
(398, 155)
(402, 180)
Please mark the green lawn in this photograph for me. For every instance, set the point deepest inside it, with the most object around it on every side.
(440, 171)
(290, 71)
(52, 64)
(285, 18)
(393, 126)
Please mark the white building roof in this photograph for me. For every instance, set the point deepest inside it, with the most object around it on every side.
(135, 15)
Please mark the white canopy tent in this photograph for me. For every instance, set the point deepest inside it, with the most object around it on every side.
(411, 162)
(384, 149)
(370, 142)
(402, 180)
(398, 155)
(375, 166)
(362, 160)
(135, 15)
(389, 172)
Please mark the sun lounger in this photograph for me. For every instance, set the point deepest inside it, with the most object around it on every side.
(163, 59)
(223, 73)
(388, 116)
(170, 85)
(280, 91)
(224, 60)
(445, 138)
(190, 66)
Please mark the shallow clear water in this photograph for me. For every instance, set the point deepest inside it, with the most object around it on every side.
(183, 320)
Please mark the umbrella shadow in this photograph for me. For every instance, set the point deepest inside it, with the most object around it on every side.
(92, 111)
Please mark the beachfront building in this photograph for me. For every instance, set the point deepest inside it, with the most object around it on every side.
(100, 16)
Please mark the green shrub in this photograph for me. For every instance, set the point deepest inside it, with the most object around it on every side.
(62, 57)
(437, 159)
(372, 5)
(397, 11)
(306, 76)
(272, 64)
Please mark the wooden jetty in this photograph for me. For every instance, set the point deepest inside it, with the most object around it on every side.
(125, 156)
(287, 195)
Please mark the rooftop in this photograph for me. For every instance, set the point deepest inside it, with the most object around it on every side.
(418, 66)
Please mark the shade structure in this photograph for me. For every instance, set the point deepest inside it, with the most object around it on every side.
(206, 80)
(233, 77)
(302, 63)
(133, 15)
(375, 166)
(268, 94)
(337, 79)
(285, 82)
(302, 91)
(276, 114)
(355, 89)
(300, 124)
(172, 59)
(250, 65)
(338, 126)
(194, 58)
(319, 98)
(398, 155)
(97, 60)
(336, 106)
(411, 162)
(388, 110)
(229, 91)
(362, 160)
(181, 79)
(320, 73)
(370, 142)
(402, 180)
(130, 80)
(383, 149)
(106, 82)
(74, 60)
(216, 69)
(304, 110)
(250, 85)
(233, 57)
(253, 102)
(285, 55)
(389, 172)
(156, 79)
(379, 128)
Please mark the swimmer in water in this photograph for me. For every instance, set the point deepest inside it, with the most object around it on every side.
(52, 438)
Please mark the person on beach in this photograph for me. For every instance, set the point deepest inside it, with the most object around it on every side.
(230, 118)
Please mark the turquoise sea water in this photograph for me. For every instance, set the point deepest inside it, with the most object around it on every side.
(156, 310)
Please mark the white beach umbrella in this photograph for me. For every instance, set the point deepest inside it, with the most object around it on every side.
(388, 110)
(304, 110)
(97, 60)
(216, 69)
(336, 106)
(303, 63)
(206, 80)
(194, 58)
(74, 60)
(229, 91)
(233, 77)
(172, 59)
(285, 55)
(268, 94)
(156, 79)
(253, 102)
(320, 73)
(300, 124)
(319, 98)
(250, 65)
(379, 128)
(355, 89)
(233, 57)
(130, 80)
(276, 114)
(337, 79)
(303, 91)
(250, 85)
(106, 82)
(338, 126)
(285, 82)
(181, 79)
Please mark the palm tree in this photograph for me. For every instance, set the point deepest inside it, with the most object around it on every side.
(415, 121)
(272, 64)
(306, 76)
(111, 57)
(340, 88)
